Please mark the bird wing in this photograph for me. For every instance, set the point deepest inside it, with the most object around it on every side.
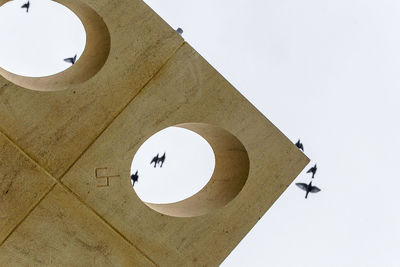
(302, 186)
(69, 60)
(314, 189)
(134, 177)
(310, 170)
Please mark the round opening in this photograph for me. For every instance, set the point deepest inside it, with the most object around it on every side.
(51, 45)
(185, 169)
(204, 168)
(39, 40)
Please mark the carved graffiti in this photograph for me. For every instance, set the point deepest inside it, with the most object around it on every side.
(103, 179)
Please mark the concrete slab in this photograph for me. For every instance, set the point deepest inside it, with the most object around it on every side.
(54, 128)
(61, 231)
(22, 185)
(186, 90)
(77, 132)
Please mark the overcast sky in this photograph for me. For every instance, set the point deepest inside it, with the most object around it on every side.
(326, 72)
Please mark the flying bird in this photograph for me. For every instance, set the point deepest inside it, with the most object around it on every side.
(155, 160)
(162, 159)
(308, 188)
(179, 31)
(300, 145)
(26, 5)
(134, 178)
(313, 170)
(71, 60)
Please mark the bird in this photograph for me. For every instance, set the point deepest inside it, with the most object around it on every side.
(71, 60)
(155, 160)
(308, 188)
(134, 178)
(162, 159)
(179, 31)
(313, 170)
(26, 5)
(300, 145)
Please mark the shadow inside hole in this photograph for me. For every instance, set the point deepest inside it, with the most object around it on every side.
(96, 52)
(229, 176)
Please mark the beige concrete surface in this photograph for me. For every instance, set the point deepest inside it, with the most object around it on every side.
(187, 89)
(68, 142)
(55, 128)
(61, 231)
(22, 185)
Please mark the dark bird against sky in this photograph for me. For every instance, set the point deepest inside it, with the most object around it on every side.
(134, 178)
(313, 170)
(161, 160)
(157, 160)
(26, 5)
(70, 60)
(179, 31)
(308, 188)
(300, 145)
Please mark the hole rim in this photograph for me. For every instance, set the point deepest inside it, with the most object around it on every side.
(232, 167)
(93, 58)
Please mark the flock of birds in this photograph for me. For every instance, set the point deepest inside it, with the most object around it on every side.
(309, 188)
(70, 60)
(156, 160)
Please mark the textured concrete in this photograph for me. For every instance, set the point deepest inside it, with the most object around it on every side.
(67, 144)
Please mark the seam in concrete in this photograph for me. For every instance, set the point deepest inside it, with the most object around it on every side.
(26, 154)
(27, 214)
(118, 113)
(112, 228)
(57, 182)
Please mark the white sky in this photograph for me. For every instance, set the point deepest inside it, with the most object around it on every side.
(35, 43)
(189, 164)
(326, 72)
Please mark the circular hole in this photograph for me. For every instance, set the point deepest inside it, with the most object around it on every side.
(205, 167)
(38, 41)
(188, 166)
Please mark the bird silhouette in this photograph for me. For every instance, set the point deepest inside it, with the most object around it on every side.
(161, 160)
(179, 31)
(155, 160)
(299, 145)
(71, 60)
(308, 188)
(134, 178)
(26, 5)
(313, 170)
